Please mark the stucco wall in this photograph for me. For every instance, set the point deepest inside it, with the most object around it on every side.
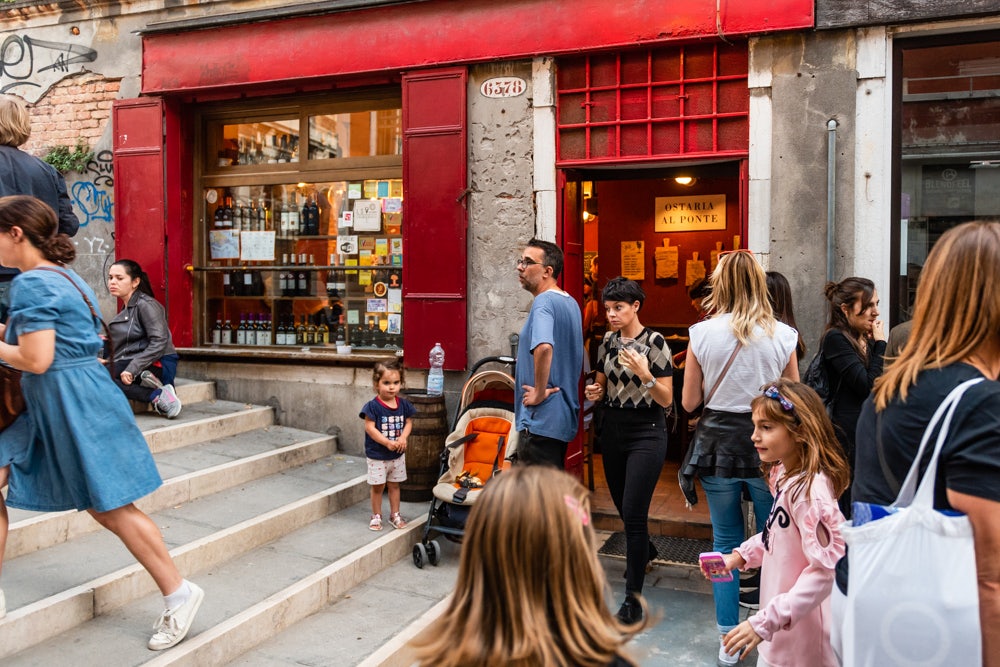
(501, 209)
(812, 80)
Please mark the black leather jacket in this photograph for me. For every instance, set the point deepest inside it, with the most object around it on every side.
(140, 333)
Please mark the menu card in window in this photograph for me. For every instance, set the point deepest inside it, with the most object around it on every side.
(367, 215)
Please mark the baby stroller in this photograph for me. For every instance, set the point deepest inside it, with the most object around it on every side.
(479, 446)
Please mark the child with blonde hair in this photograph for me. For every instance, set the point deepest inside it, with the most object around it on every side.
(530, 590)
(388, 421)
(801, 541)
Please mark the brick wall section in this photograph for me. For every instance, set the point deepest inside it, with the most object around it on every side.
(78, 107)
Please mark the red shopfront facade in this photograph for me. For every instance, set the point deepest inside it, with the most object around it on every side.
(421, 49)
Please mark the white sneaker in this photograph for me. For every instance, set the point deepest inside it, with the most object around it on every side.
(174, 623)
(3, 604)
(167, 403)
(726, 660)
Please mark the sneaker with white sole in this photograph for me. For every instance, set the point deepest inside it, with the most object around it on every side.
(174, 624)
(167, 403)
(726, 660)
(149, 381)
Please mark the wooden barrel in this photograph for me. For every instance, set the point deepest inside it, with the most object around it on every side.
(424, 446)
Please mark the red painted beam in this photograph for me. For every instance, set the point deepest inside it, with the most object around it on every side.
(441, 32)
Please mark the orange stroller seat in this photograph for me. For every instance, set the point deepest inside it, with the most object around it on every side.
(478, 449)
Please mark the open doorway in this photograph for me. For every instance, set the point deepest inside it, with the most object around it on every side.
(664, 228)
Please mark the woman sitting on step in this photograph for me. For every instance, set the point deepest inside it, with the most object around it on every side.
(145, 362)
(77, 445)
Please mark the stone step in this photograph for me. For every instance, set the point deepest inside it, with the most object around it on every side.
(250, 596)
(189, 472)
(374, 620)
(204, 420)
(63, 586)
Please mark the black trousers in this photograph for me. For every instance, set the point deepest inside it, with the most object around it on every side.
(535, 449)
(633, 445)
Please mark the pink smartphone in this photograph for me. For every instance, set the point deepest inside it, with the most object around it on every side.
(714, 566)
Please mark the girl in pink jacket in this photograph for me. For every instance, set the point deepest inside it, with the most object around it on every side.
(801, 541)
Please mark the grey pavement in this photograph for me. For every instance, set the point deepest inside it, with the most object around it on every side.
(681, 599)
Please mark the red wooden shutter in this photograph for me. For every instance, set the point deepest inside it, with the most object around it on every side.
(571, 241)
(434, 216)
(140, 221)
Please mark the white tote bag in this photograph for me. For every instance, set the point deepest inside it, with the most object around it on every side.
(912, 596)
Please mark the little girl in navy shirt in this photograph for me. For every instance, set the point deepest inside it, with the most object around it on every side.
(388, 420)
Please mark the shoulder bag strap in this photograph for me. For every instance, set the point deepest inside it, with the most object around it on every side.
(93, 311)
(919, 489)
(725, 369)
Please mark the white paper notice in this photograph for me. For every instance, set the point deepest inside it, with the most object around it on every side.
(257, 246)
(395, 297)
(368, 215)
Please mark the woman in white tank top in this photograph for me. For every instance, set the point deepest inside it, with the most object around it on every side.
(730, 355)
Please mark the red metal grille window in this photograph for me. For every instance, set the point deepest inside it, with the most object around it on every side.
(687, 101)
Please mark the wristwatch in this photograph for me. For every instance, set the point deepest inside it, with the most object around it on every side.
(650, 384)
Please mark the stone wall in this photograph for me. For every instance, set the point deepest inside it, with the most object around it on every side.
(501, 208)
(812, 80)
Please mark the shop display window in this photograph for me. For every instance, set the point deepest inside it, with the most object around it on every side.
(301, 242)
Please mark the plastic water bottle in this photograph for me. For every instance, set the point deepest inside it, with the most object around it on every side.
(435, 378)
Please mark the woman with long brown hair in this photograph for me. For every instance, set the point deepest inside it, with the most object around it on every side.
(853, 348)
(77, 446)
(531, 589)
(955, 338)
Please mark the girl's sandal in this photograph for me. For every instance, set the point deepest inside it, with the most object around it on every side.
(397, 521)
(376, 522)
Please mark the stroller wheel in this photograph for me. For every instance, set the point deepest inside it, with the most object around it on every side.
(419, 555)
(434, 552)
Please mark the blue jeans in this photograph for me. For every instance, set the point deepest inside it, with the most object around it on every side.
(725, 507)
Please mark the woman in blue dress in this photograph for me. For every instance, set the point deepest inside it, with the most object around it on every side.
(77, 445)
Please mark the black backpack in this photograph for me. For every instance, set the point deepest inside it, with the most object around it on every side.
(816, 376)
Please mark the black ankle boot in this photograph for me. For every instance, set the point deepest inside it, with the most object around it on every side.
(631, 611)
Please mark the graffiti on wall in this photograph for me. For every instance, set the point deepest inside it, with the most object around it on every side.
(90, 196)
(28, 63)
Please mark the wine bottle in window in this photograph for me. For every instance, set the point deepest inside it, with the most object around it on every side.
(227, 213)
(241, 332)
(322, 331)
(227, 333)
(293, 215)
(264, 335)
(311, 333)
(217, 333)
(279, 334)
(220, 214)
(300, 331)
(302, 282)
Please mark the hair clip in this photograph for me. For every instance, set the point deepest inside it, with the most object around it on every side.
(772, 392)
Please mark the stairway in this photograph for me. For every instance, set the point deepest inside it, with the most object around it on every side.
(271, 521)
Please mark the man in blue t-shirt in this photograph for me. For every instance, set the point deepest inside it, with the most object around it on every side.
(549, 360)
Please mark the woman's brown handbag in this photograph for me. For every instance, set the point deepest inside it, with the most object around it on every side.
(11, 398)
